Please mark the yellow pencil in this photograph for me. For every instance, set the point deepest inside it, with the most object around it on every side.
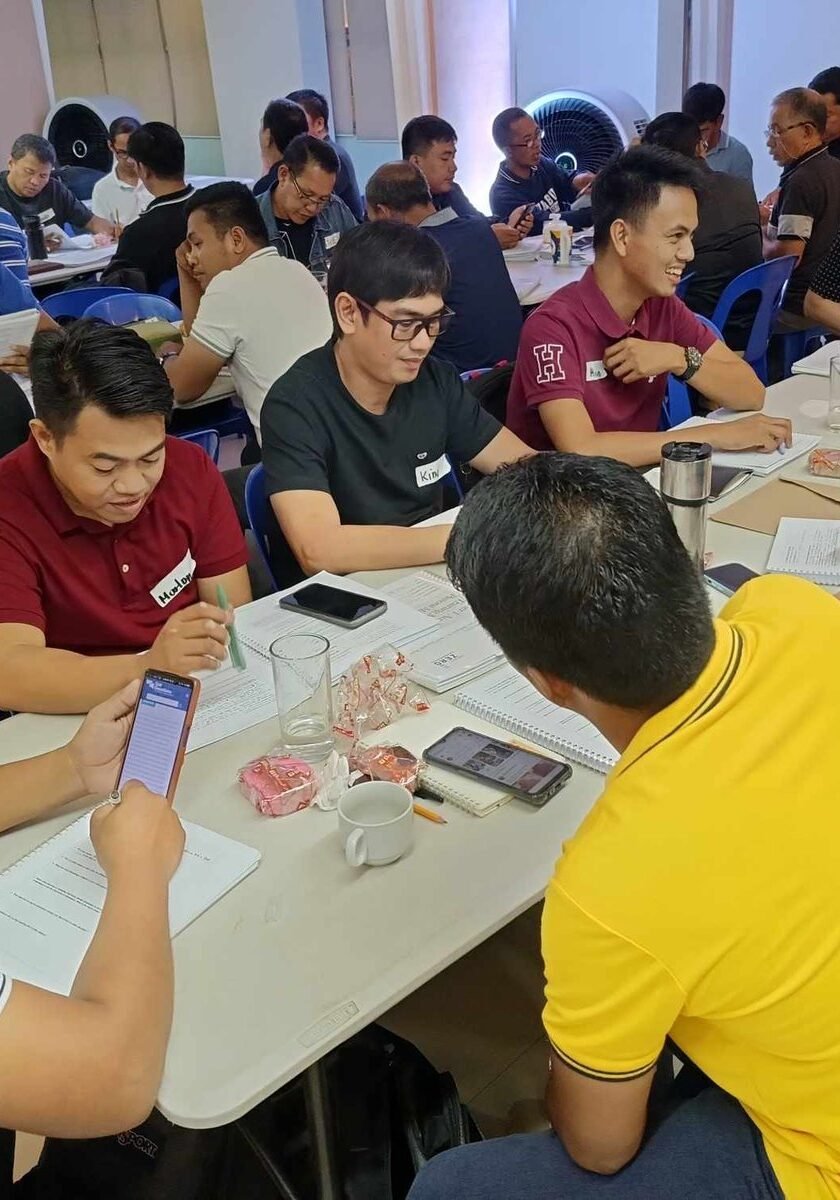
(422, 811)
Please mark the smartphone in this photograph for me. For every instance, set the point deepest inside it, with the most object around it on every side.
(726, 479)
(157, 742)
(728, 577)
(348, 609)
(532, 777)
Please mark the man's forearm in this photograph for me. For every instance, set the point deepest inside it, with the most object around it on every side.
(190, 299)
(822, 311)
(373, 548)
(731, 384)
(32, 787)
(39, 679)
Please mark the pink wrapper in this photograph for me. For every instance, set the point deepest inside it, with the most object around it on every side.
(394, 764)
(824, 462)
(374, 692)
(277, 786)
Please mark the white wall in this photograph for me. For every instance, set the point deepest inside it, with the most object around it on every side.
(770, 54)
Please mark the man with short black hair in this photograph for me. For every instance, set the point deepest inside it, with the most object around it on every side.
(431, 144)
(827, 85)
(145, 257)
(805, 217)
(121, 196)
(527, 176)
(243, 304)
(304, 219)
(594, 359)
(317, 110)
(688, 905)
(113, 537)
(357, 433)
(28, 188)
(488, 319)
(281, 121)
(705, 102)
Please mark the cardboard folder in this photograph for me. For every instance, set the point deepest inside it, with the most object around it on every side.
(763, 509)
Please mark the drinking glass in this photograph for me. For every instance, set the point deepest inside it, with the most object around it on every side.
(302, 684)
(834, 393)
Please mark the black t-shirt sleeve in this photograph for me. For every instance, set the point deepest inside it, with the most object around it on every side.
(469, 427)
(826, 282)
(294, 442)
(68, 208)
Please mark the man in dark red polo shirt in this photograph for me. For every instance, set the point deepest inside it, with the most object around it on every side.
(594, 359)
(113, 537)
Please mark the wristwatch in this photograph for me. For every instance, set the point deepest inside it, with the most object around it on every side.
(693, 363)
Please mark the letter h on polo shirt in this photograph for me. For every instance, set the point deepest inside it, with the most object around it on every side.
(549, 368)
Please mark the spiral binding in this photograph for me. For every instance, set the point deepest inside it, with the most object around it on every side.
(597, 762)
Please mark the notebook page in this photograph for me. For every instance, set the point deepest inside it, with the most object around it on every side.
(17, 329)
(231, 700)
(818, 363)
(754, 460)
(810, 548)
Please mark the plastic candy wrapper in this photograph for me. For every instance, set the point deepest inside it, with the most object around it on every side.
(333, 781)
(277, 785)
(394, 764)
(824, 462)
(374, 692)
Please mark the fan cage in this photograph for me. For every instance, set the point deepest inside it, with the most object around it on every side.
(577, 134)
(80, 138)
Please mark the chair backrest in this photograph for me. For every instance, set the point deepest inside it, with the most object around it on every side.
(169, 288)
(122, 310)
(677, 405)
(491, 388)
(76, 301)
(207, 439)
(769, 279)
(256, 506)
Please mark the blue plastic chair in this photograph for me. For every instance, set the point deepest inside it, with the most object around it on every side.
(207, 439)
(76, 301)
(799, 342)
(256, 506)
(138, 306)
(677, 405)
(769, 279)
(169, 288)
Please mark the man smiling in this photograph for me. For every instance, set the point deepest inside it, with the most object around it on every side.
(113, 537)
(593, 361)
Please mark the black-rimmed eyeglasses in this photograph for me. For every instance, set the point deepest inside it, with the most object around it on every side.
(406, 329)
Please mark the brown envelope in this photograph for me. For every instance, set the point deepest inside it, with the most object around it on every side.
(763, 509)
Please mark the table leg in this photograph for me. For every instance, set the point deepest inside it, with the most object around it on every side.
(320, 1122)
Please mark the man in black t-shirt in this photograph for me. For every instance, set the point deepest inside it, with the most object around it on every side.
(29, 189)
(827, 83)
(358, 435)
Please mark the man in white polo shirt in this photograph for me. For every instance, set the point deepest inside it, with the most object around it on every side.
(121, 196)
(243, 304)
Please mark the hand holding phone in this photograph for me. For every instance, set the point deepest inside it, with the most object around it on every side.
(97, 746)
(140, 833)
(157, 743)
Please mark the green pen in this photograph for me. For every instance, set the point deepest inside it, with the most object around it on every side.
(236, 655)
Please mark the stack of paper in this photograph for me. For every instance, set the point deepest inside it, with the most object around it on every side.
(753, 460)
(819, 362)
(808, 548)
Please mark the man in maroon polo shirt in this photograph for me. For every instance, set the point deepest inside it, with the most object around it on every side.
(594, 359)
(113, 536)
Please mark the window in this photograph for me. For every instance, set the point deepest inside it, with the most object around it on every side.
(361, 78)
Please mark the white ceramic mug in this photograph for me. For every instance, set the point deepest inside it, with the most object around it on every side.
(376, 823)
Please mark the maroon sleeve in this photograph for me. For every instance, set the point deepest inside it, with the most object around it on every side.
(20, 596)
(551, 367)
(688, 330)
(219, 541)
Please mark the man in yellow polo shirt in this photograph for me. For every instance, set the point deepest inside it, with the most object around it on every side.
(700, 898)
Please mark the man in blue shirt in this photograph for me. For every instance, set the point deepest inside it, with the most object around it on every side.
(527, 176)
(705, 102)
(13, 248)
(16, 296)
(488, 319)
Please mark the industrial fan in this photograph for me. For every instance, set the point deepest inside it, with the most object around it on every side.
(581, 132)
(78, 129)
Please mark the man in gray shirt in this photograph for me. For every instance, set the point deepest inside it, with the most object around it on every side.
(705, 102)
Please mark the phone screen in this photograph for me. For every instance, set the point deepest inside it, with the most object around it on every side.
(151, 755)
(497, 762)
(729, 577)
(332, 603)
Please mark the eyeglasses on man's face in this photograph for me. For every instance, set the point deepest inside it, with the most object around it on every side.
(774, 132)
(308, 199)
(528, 143)
(406, 329)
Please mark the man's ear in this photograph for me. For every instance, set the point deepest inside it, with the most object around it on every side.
(554, 689)
(619, 236)
(43, 438)
(415, 160)
(346, 312)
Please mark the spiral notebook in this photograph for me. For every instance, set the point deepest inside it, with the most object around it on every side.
(506, 698)
(808, 548)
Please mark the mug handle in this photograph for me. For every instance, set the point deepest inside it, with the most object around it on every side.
(355, 848)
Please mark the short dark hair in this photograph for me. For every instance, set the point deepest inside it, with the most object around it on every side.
(305, 149)
(386, 260)
(630, 185)
(805, 105)
(313, 103)
(159, 148)
(673, 131)
(422, 132)
(827, 83)
(397, 185)
(228, 204)
(30, 143)
(91, 363)
(573, 565)
(704, 101)
(502, 124)
(122, 125)
(284, 120)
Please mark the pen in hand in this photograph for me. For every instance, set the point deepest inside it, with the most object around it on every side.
(236, 655)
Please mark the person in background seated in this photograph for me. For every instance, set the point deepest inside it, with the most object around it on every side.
(594, 359)
(305, 221)
(28, 188)
(704, 103)
(806, 215)
(822, 300)
(17, 296)
(358, 435)
(318, 115)
(113, 537)
(527, 176)
(827, 85)
(121, 196)
(14, 251)
(488, 320)
(431, 144)
(727, 239)
(665, 919)
(145, 257)
(243, 304)
(282, 121)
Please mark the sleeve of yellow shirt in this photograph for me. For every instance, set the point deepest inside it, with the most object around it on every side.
(609, 1004)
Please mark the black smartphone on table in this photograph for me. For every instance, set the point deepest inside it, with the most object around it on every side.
(348, 609)
(532, 777)
(728, 577)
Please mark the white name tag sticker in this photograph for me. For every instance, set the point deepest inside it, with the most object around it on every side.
(428, 473)
(174, 581)
(46, 216)
(331, 240)
(595, 371)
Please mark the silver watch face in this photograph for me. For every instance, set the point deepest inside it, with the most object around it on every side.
(693, 358)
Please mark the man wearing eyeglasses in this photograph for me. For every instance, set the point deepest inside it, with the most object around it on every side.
(304, 219)
(121, 196)
(805, 218)
(527, 176)
(358, 435)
